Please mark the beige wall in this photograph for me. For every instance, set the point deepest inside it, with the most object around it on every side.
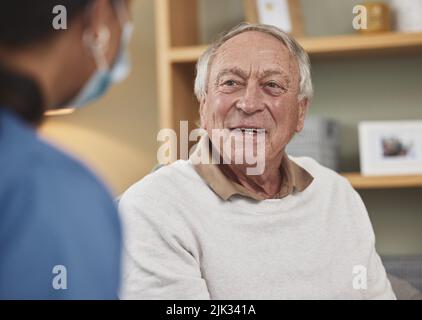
(117, 135)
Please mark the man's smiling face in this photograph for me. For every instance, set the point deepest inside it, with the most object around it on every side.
(253, 83)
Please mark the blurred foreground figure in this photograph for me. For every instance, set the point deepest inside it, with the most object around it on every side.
(60, 234)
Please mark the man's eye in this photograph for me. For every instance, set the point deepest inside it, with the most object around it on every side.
(274, 88)
(273, 85)
(230, 83)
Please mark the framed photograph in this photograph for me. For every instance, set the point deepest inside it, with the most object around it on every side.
(390, 147)
(285, 14)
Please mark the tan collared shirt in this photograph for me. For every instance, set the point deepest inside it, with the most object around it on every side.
(294, 177)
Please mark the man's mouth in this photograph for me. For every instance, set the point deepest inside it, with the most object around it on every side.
(248, 130)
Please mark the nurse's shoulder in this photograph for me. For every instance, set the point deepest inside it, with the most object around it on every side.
(50, 203)
(27, 156)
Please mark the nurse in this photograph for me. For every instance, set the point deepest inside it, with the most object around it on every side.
(60, 236)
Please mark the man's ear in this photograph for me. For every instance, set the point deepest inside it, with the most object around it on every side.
(302, 110)
(202, 110)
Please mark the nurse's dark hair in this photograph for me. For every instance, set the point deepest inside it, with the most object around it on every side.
(22, 24)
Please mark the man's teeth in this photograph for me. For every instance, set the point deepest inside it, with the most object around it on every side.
(252, 130)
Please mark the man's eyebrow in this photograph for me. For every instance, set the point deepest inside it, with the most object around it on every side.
(235, 71)
(274, 72)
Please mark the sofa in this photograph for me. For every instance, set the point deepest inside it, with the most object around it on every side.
(405, 274)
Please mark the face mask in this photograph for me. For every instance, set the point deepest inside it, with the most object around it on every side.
(104, 77)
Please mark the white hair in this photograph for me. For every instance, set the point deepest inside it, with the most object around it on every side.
(204, 63)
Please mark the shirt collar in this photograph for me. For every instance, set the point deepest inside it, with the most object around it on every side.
(294, 177)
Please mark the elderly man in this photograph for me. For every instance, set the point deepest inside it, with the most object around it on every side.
(295, 230)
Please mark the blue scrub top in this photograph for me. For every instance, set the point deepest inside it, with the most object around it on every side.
(59, 230)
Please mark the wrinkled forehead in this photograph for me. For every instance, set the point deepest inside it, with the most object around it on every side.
(254, 52)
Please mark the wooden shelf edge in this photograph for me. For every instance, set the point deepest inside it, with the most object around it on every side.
(362, 43)
(328, 46)
(186, 54)
(359, 181)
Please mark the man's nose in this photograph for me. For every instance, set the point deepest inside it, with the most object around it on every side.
(252, 99)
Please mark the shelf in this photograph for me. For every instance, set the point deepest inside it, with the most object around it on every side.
(384, 43)
(363, 44)
(186, 54)
(383, 182)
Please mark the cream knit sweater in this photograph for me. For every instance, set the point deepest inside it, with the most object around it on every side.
(184, 242)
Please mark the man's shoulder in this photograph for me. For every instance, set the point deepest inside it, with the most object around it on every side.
(337, 190)
(320, 173)
(158, 196)
(166, 180)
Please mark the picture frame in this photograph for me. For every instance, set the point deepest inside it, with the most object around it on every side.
(285, 14)
(390, 147)
(408, 15)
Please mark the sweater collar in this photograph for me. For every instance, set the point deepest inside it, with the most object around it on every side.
(294, 177)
